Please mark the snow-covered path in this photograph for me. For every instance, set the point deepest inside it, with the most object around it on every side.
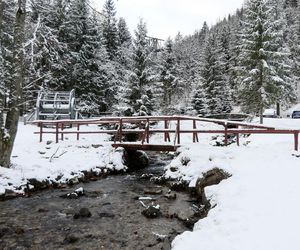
(258, 207)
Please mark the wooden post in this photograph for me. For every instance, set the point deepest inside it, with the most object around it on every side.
(296, 140)
(62, 131)
(226, 134)
(148, 130)
(166, 127)
(78, 126)
(195, 134)
(41, 131)
(56, 132)
(238, 138)
(120, 131)
(178, 131)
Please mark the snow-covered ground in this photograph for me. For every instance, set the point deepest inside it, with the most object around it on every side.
(57, 162)
(258, 207)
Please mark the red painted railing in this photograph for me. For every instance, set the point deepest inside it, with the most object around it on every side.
(144, 130)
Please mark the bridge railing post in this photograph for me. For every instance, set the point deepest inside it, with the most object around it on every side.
(62, 131)
(56, 132)
(226, 134)
(195, 134)
(296, 140)
(166, 127)
(238, 139)
(148, 130)
(120, 130)
(41, 131)
(78, 127)
(178, 131)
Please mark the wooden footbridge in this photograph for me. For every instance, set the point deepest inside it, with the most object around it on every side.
(141, 128)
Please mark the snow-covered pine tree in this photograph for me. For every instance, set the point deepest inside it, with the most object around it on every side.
(215, 83)
(139, 92)
(43, 53)
(124, 35)
(187, 53)
(261, 59)
(90, 72)
(123, 62)
(109, 29)
(199, 100)
(168, 74)
(293, 39)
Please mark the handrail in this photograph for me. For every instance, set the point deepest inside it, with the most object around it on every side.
(238, 128)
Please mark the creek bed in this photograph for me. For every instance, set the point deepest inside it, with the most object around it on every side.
(46, 220)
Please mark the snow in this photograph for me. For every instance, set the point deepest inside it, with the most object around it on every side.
(49, 161)
(258, 207)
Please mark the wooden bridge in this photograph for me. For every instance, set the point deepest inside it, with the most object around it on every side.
(140, 127)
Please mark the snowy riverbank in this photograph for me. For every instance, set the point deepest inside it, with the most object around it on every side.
(258, 207)
(57, 163)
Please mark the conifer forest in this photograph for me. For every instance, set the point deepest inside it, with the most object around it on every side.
(250, 59)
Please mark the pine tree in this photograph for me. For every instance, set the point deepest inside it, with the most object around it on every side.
(139, 93)
(124, 35)
(261, 59)
(109, 29)
(199, 101)
(215, 83)
(168, 75)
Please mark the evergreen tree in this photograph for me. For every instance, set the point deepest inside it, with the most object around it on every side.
(262, 62)
(109, 29)
(139, 93)
(199, 101)
(215, 83)
(124, 35)
(168, 75)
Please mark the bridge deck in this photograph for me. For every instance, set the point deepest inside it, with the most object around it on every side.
(146, 147)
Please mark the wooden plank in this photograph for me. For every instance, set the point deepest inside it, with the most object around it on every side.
(146, 147)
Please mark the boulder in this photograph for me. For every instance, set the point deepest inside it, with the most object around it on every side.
(136, 159)
(83, 213)
(152, 212)
(211, 177)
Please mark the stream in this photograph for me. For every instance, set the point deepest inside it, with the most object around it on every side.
(46, 219)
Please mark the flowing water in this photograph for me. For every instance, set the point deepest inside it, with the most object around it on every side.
(46, 220)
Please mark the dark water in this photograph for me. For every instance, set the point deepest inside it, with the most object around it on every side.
(45, 220)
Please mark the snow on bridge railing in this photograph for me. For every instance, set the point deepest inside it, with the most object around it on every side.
(230, 127)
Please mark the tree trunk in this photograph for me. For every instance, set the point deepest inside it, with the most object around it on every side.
(2, 93)
(8, 134)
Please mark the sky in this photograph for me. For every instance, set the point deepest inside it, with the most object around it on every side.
(166, 18)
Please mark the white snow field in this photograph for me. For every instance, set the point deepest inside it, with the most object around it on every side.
(258, 207)
(48, 160)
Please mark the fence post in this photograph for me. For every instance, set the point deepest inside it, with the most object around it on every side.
(41, 131)
(120, 133)
(62, 131)
(148, 130)
(226, 134)
(56, 132)
(166, 127)
(238, 137)
(195, 134)
(178, 131)
(296, 140)
(78, 125)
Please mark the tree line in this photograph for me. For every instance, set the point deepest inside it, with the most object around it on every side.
(250, 60)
